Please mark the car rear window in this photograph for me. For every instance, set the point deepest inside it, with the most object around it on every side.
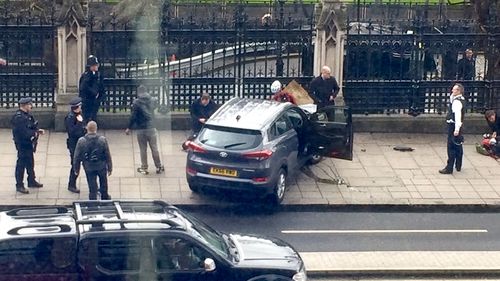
(230, 138)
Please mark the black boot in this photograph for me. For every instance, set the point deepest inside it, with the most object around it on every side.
(446, 171)
(73, 189)
(22, 189)
(35, 184)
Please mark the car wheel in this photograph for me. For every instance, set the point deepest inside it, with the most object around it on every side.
(280, 187)
(315, 159)
(193, 187)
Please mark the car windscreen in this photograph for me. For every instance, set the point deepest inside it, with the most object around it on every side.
(230, 138)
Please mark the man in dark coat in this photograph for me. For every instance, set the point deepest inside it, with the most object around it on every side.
(93, 151)
(466, 66)
(141, 120)
(324, 88)
(75, 129)
(91, 89)
(200, 111)
(25, 133)
(493, 122)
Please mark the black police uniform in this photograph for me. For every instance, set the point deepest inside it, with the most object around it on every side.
(91, 90)
(75, 129)
(455, 149)
(25, 135)
(93, 151)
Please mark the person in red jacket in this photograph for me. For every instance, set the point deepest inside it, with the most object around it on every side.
(279, 94)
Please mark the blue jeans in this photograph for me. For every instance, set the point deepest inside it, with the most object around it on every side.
(103, 184)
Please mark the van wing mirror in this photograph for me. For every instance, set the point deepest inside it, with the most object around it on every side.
(209, 264)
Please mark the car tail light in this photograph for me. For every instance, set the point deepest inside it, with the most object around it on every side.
(195, 147)
(259, 155)
(263, 179)
(191, 171)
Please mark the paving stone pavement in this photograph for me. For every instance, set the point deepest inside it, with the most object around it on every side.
(377, 175)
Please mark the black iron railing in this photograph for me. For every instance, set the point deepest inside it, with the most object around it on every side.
(27, 43)
(405, 58)
(225, 50)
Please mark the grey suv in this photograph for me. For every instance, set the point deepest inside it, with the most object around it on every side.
(252, 145)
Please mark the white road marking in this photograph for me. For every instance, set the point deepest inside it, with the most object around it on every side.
(371, 231)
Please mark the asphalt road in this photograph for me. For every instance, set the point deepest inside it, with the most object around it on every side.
(367, 231)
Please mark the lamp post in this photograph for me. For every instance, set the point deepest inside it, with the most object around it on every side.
(281, 27)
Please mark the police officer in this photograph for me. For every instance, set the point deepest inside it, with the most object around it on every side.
(91, 89)
(93, 151)
(454, 120)
(25, 132)
(75, 129)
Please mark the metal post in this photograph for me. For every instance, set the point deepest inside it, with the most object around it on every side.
(279, 55)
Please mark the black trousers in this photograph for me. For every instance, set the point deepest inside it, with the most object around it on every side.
(89, 109)
(25, 161)
(455, 148)
(72, 176)
(103, 184)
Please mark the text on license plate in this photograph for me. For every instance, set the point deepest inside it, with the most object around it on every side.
(223, 172)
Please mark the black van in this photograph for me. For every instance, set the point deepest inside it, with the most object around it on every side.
(134, 240)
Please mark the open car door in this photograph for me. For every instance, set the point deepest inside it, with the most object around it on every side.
(332, 134)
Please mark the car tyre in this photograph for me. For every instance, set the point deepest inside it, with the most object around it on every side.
(279, 187)
(194, 188)
(315, 159)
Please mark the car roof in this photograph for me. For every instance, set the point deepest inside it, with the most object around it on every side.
(90, 216)
(37, 222)
(126, 215)
(245, 113)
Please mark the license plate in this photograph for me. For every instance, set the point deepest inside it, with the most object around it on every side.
(223, 172)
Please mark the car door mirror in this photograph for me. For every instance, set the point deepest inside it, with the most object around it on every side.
(209, 264)
(319, 116)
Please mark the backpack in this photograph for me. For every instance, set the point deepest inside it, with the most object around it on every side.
(92, 152)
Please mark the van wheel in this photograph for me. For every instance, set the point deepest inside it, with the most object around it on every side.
(315, 159)
(280, 187)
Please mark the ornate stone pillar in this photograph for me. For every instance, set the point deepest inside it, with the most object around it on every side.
(330, 39)
(71, 56)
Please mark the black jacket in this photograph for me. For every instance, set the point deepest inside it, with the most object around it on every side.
(321, 89)
(91, 86)
(85, 146)
(74, 128)
(24, 130)
(495, 126)
(142, 115)
(466, 69)
(198, 111)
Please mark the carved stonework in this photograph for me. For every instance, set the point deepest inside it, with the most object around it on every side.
(72, 9)
(71, 39)
(330, 37)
